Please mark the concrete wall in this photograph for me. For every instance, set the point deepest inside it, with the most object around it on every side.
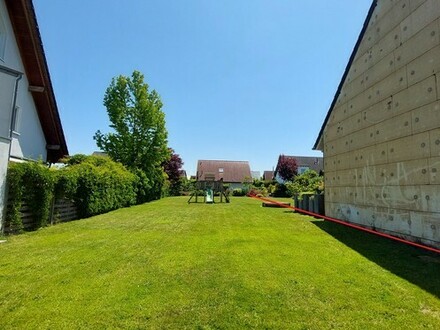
(29, 141)
(382, 141)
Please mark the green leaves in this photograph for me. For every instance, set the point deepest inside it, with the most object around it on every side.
(139, 140)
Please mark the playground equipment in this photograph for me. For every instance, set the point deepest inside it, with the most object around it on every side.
(208, 189)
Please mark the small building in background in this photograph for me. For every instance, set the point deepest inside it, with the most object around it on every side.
(235, 173)
(304, 163)
(268, 176)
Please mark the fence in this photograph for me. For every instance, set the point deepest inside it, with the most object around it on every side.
(62, 210)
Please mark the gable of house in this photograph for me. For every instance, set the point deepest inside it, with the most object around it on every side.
(30, 126)
(229, 171)
(37, 131)
(268, 175)
(304, 163)
(381, 135)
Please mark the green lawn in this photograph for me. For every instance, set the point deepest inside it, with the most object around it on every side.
(171, 265)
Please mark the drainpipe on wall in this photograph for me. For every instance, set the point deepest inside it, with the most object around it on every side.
(18, 76)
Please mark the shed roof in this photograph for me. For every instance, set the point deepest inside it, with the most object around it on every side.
(229, 171)
(344, 76)
(27, 34)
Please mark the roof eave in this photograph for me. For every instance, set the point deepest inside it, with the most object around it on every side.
(27, 34)
(318, 143)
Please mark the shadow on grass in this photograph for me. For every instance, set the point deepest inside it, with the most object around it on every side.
(415, 265)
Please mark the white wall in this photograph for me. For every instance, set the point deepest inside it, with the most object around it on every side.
(30, 141)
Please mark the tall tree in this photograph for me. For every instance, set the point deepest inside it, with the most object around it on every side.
(139, 137)
(287, 168)
(173, 168)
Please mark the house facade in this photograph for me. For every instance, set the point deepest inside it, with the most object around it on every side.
(30, 126)
(304, 163)
(268, 176)
(235, 173)
(381, 135)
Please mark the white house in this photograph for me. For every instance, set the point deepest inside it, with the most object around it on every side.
(30, 126)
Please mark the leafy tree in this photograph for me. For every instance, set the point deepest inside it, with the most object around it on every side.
(139, 137)
(173, 168)
(287, 168)
(308, 182)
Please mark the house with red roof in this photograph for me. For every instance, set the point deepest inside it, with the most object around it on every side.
(235, 173)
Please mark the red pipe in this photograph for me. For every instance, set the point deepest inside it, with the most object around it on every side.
(371, 231)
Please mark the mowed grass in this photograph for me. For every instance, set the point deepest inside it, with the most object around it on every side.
(171, 265)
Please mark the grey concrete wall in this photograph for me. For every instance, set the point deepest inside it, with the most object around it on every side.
(382, 141)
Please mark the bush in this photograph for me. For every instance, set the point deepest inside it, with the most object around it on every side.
(97, 184)
(281, 190)
(260, 192)
(238, 192)
(32, 183)
(309, 181)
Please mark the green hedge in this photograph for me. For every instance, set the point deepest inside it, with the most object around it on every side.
(95, 184)
(31, 183)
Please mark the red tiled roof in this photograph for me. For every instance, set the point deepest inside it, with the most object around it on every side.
(230, 171)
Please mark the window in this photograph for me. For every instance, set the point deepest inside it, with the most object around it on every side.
(2, 37)
(220, 170)
(16, 120)
(302, 169)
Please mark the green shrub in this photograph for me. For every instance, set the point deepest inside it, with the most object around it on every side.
(15, 196)
(97, 184)
(32, 183)
(309, 181)
(281, 190)
(239, 192)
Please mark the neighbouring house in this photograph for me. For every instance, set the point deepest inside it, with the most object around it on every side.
(304, 164)
(30, 125)
(235, 173)
(381, 135)
(268, 176)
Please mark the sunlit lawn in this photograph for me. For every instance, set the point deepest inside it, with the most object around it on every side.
(171, 265)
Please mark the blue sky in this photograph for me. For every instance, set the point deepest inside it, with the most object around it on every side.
(239, 79)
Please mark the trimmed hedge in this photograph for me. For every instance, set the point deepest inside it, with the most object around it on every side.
(32, 183)
(95, 184)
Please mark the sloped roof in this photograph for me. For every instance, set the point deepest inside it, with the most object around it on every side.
(344, 76)
(230, 171)
(27, 34)
(268, 175)
(314, 163)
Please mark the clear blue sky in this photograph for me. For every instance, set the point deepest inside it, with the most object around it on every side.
(239, 79)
